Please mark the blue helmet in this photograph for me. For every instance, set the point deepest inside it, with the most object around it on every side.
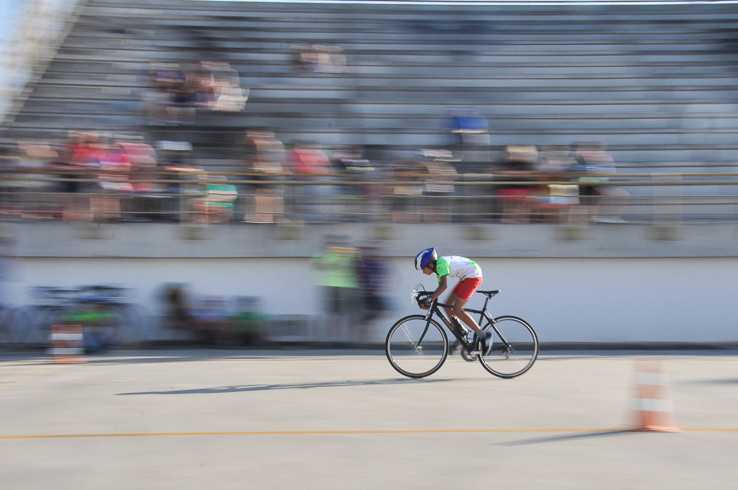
(425, 257)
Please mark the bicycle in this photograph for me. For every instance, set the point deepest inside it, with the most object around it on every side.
(14, 321)
(417, 345)
(103, 311)
(50, 303)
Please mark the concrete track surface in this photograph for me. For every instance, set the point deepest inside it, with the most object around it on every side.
(344, 419)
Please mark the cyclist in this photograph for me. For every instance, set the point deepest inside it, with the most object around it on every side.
(470, 278)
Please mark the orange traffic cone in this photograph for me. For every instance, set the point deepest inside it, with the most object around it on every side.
(653, 408)
(67, 344)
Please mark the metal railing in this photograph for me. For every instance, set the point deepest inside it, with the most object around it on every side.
(232, 197)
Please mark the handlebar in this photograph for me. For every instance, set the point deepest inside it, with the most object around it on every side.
(419, 296)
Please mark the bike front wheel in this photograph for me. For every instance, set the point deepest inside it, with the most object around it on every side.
(514, 347)
(416, 346)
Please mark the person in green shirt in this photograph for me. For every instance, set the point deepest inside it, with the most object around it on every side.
(337, 279)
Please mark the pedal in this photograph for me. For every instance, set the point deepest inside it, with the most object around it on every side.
(468, 356)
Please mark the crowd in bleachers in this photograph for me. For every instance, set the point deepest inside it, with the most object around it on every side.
(96, 177)
(100, 177)
(385, 82)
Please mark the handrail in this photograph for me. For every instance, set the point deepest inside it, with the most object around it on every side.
(197, 195)
(406, 178)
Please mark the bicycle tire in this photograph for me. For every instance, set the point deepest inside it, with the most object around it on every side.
(17, 320)
(416, 346)
(517, 353)
(131, 323)
(141, 323)
(6, 328)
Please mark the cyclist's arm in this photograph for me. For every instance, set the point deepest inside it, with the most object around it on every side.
(442, 284)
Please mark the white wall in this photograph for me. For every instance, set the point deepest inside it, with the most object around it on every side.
(610, 300)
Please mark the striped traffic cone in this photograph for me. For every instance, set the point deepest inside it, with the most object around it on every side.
(67, 344)
(653, 409)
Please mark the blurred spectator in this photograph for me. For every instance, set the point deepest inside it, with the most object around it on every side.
(559, 201)
(439, 188)
(156, 96)
(249, 323)
(164, 96)
(308, 159)
(220, 87)
(264, 157)
(185, 95)
(338, 282)
(602, 203)
(373, 275)
(204, 319)
(216, 202)
(32, 196)
(148, 195)
(316, 199)
(360, 196)
(177, 91)
(318, 58)
(82, 154)
(174, 160)
(470, 139)
(212, 319)
(517, 200)
(469, 142)
(9, 189)
(406, 194)
(177, 307)
(113, 185)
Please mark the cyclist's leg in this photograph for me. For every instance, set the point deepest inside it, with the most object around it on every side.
(459, 297)
(459, 312)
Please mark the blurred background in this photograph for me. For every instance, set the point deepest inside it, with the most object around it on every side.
(251, 173)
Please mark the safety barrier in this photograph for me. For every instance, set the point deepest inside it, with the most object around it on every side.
(653, 408)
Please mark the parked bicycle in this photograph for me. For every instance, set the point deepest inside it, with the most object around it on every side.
(49, 303)
(417, 345)
(104, 312)
(14, 321)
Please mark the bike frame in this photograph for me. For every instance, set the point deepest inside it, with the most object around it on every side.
(484, 316)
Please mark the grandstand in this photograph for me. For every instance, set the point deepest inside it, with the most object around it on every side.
(654, 82)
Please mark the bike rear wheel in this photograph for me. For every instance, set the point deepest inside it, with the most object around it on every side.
(14, 321)
(416, 346)
(514, 347)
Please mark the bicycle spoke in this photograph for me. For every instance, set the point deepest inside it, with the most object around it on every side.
(410, 338)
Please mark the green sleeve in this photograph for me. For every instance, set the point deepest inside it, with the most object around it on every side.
(442, 268)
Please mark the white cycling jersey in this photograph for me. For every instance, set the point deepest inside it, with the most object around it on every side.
(457, 266)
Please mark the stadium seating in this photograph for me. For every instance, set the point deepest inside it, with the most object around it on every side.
(654, 82)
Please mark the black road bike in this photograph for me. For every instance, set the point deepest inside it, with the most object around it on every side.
(417, 345)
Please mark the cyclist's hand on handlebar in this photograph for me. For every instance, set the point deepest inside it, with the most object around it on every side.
(424, 304)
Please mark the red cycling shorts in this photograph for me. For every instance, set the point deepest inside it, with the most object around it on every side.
(466, 288)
